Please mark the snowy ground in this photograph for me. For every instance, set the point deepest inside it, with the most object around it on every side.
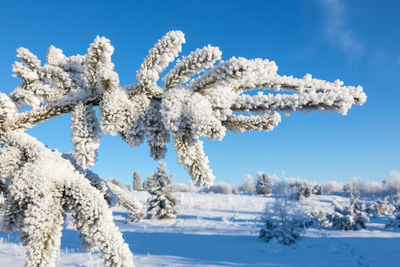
(221, 230)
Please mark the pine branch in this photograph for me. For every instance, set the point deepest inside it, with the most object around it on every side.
(184, 108)
(340, 101)
(191, 155)
(159, 57)
(28, 119)
(241, 124)
(192, 64)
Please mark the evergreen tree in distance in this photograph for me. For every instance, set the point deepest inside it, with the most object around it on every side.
(162, 202)
(137, 184)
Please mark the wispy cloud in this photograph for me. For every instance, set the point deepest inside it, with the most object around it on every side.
(338, 30)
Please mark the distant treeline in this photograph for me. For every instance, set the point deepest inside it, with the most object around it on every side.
(263, 183)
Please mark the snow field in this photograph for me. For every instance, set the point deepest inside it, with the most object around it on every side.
(221, 230)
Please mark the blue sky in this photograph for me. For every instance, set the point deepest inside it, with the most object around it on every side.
(355, 41)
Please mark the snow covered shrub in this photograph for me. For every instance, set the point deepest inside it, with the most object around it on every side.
(180, 188)
(162, 202)
(220, 188)
(248, 186)
(380, 207)
(352, 217)
(281, 187)
(283, 220)
(195, 99)
(394, 223)
(300, 189)
(331, 187)
(317, 190)
(264, 184)
(184, 187)
(318, 218)
(137, 184)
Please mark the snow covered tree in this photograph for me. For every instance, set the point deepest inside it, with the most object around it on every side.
(317, 190)
(137, 184)
(219, 188)
(162, 202)
(284, 221)
(300, 189)
(150, 182)
(352, 217)
(249, 184)
(264, 184)
(181, 107)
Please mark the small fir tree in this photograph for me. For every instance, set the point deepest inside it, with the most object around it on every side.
(162, 202)
(284, 220)
(137, 184)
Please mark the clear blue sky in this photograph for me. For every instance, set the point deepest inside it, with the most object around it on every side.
(355, 41)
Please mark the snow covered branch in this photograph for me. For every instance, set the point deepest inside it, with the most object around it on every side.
(127, 201)
(38, 199)
(183, 107)
(85, 135)
(240, 124)
(196, 99)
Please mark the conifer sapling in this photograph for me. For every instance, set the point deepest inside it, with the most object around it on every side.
(162, 202)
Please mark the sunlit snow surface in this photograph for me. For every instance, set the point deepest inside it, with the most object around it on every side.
(221, 230)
